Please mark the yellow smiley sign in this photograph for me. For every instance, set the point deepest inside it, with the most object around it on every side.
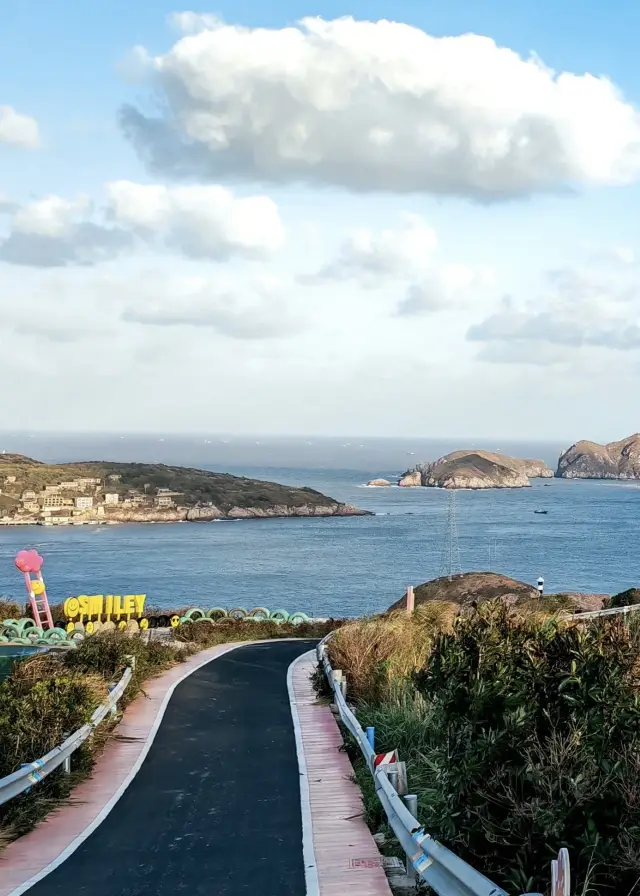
(111, 605)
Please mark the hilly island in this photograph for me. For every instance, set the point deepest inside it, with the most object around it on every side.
(32, 492)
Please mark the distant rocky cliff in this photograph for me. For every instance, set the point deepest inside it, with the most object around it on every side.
(589, 460)
(208, 513)
(476, 469)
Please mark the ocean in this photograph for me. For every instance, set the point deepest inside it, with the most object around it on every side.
(343, 567)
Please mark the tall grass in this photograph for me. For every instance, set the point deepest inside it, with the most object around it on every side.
(9, 609)
(380, 652)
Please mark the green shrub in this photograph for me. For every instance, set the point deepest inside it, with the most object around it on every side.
(532, 742)
(35, 716)
(628, 598)
(108, 654)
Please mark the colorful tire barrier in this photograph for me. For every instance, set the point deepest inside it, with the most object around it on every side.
(26, 631)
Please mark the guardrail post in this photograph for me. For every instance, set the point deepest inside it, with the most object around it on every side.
(411, 802)
(371, 737)
(393, 780)
(343, 686)
(403, 785)
(66, 764)
(131, 662)
(336, 678)
(114, 708)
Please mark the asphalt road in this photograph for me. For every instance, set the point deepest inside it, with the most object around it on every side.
(215, 807)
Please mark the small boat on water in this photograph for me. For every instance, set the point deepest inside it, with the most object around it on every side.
(541, 511)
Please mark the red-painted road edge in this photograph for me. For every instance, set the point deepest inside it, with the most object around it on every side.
(344, 848)
(345, 852)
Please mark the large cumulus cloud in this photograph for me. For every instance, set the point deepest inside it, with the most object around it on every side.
(378, 106)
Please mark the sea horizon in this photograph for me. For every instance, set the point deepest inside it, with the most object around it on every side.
(303, 451)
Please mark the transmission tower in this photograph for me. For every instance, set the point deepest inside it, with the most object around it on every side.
(450, 550)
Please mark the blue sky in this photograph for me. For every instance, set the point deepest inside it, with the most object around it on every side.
(330, 326)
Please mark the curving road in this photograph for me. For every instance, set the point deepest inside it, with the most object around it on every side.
(215, 807)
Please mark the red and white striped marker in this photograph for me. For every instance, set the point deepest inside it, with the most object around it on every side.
(385, 759)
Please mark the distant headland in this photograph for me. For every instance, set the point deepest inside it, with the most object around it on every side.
(97, 492)
(589, 460)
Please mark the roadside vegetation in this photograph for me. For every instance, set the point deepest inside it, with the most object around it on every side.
(521, 732)
(50, 695)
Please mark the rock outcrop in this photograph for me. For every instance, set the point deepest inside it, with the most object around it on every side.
(411, 478)
(468, 588)
(208, 513)
(378, 483)
(589, 460)
(475, 470)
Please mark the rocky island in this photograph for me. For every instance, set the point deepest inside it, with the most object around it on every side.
(32, 492)
(476, 469)
(589, 460)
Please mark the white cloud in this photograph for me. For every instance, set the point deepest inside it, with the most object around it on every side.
(406, 258)
(52, 216)
(53, 232)
(254, 310)
(379, 106)
(447, 287)
(367, 256)
(17, 129)
(579, 309)
(199, 222)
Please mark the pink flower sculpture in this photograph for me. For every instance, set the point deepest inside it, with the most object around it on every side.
(29, 561)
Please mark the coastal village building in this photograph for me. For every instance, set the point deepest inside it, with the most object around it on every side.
(52, 501)
(111, 498)
(9, 480)
(134, 501)
(165, 497)
(29, 495)
(87, 483)
(31, 506)
(84, 502)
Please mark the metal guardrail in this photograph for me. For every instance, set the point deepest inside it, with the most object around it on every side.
(24, 778)
(612, 611)
(441, 869)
